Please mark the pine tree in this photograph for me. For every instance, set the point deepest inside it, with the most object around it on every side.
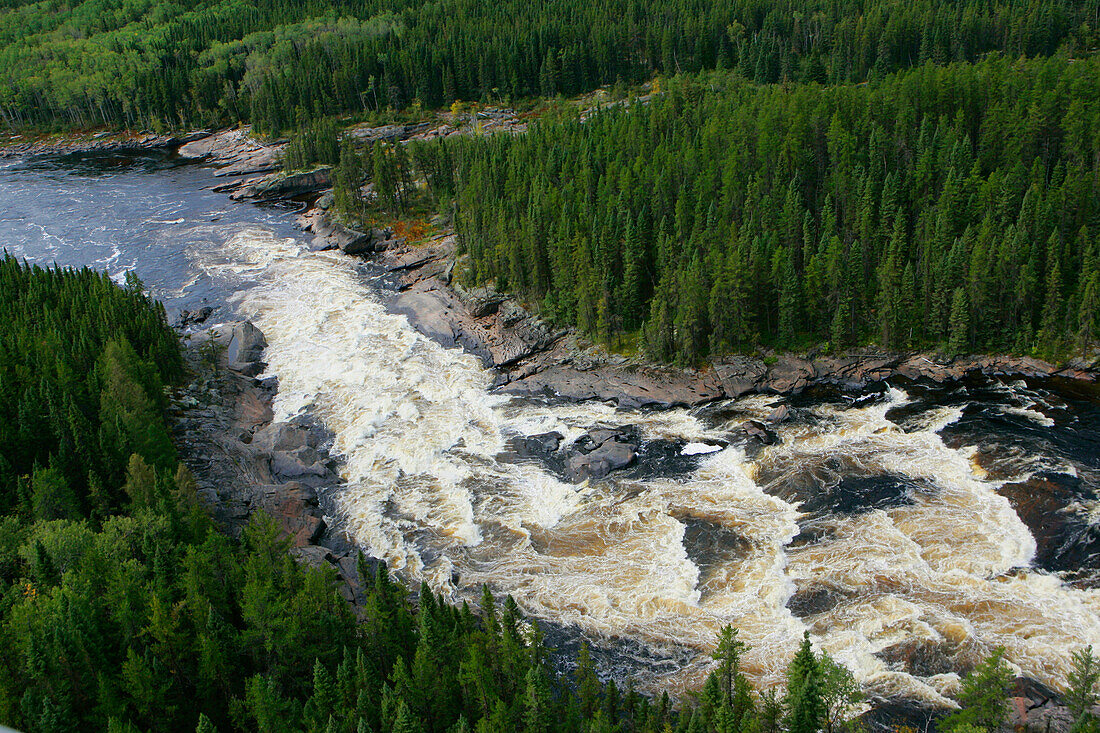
(805, 708)
(1081, 690)
(959, 340)
(983, 697)
(728, 654)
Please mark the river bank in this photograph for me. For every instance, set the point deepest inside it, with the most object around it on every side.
(530, 358)
(245, 462)
(328, 340)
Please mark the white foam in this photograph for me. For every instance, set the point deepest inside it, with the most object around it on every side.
(699, 449)
(668, 562)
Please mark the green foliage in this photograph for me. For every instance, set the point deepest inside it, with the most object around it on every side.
(983, 698)
(79, 392)
(315, 143)
(804, 703)
(1081, 693)
(951, 207)
(119, 62)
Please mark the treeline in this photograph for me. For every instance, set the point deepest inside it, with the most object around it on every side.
(121, 609)
(951, 206)
(208, 62)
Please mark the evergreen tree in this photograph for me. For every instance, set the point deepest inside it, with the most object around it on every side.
(983, 697)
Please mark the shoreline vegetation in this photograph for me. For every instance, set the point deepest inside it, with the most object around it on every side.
(653, 204)
(125, 608)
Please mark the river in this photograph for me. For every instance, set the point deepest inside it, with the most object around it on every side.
(910, 528)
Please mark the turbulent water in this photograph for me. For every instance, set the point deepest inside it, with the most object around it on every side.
(910, 529)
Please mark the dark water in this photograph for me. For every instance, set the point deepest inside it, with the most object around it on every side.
(1037, 444)
(143, 212)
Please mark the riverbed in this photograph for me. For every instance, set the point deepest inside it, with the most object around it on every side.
(910, 527)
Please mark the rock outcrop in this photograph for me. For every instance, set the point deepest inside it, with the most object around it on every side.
(281, 186)
(101, 143)
(328, 233)
(235, 152)
(534, 360)
(245, 463)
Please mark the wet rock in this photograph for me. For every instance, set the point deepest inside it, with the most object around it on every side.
(778, 415)
(285, 436)
(246, 345)
(789, 374)
(536, 446)
(1051, 505)
(814, 599)
(297, 464)
(187, 318)
(919, 657)
(601, 451)
(708, 543)
(754, 433)
(740, 375)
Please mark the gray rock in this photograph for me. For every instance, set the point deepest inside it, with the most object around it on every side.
(480, 302)
(512, 313)
(246, 344)
(283, 436)
(544, 442)
(601, 451)
(754, 432)
(778, 415)
(297, 464)
(312, 556)
(193, 318)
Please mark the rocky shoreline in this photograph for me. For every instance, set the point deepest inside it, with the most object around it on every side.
(245, 462)
(533, 360)
(100, 143)
(529, 358)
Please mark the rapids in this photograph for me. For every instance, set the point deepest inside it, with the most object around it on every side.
(898, 526)
(906, 562)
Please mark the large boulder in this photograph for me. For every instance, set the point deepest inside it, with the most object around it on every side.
(286, 436)
(332, 234)
(600, 451)
(246, 348)
(480, 302)
(294, 509)
(301, 463)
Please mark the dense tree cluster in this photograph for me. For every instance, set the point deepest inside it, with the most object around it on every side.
(946, 205)
(122, 609)
(84, 362)
(127, 63)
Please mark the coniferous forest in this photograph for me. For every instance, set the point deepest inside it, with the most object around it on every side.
(213, 62)
(952, 206)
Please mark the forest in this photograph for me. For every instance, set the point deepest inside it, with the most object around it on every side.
(944, 206)
(146, 63)
(124, 609)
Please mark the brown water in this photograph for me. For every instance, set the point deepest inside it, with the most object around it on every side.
(910, 529)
